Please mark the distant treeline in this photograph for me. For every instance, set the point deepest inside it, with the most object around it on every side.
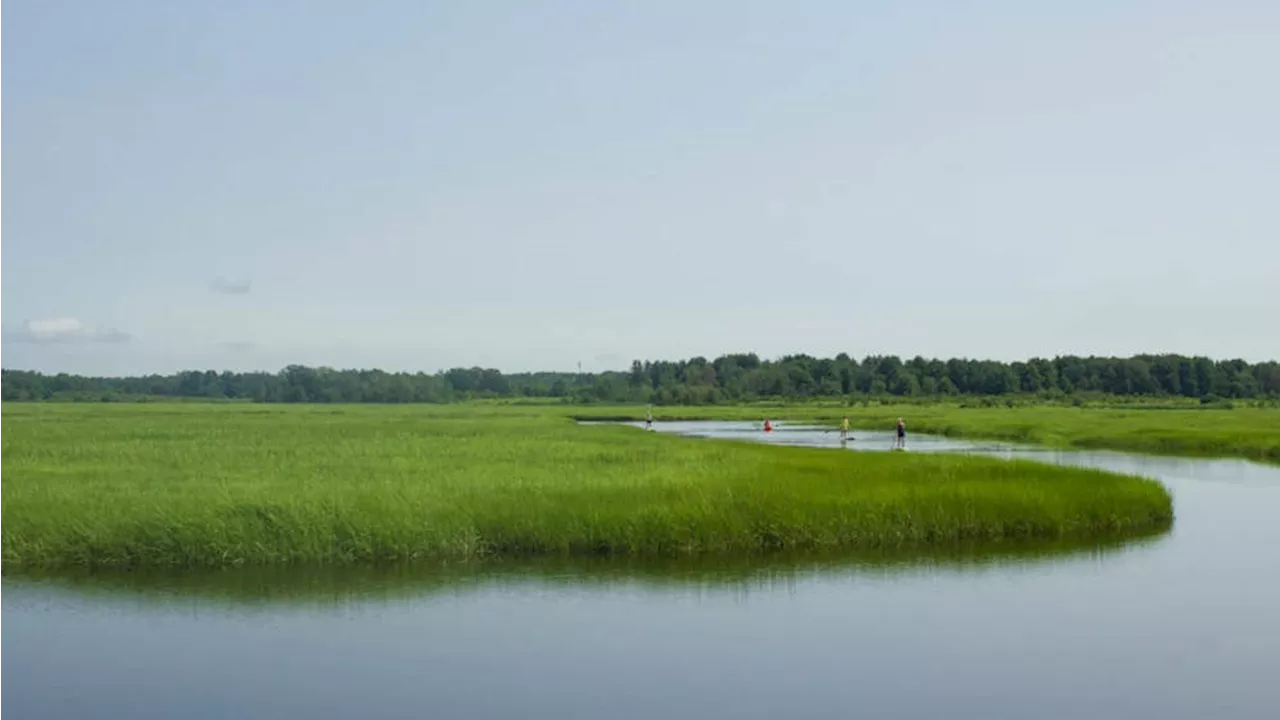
(729, 378)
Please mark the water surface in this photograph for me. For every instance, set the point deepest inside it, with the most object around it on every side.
(1180, 625)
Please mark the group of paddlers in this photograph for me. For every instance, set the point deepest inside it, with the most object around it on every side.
(900, 442)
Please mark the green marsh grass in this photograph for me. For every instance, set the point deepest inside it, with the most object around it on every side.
(221, 485)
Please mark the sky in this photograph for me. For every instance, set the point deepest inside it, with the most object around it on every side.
(419, 185)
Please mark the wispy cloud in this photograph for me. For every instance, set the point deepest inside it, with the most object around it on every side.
(231, 287)
(64, 330)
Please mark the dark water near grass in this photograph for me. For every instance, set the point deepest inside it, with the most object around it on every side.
(1181, 625)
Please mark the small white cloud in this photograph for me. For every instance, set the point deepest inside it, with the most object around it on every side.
(64, 330)
(53, 329)
(230, 287)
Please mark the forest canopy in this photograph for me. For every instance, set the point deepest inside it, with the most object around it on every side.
(729, 378)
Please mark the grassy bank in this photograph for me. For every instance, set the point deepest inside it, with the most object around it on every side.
(157, 485)
(1252, 433)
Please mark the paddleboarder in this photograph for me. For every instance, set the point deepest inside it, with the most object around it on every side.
(844, 428)
(902, 434)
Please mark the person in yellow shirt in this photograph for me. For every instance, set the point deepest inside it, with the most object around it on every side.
(844, 429)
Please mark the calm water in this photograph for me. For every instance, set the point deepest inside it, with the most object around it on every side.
(1183, 625)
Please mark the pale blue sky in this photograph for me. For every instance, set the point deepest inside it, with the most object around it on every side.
(417, 185)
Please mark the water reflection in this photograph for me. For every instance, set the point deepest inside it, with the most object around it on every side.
(769, 573)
